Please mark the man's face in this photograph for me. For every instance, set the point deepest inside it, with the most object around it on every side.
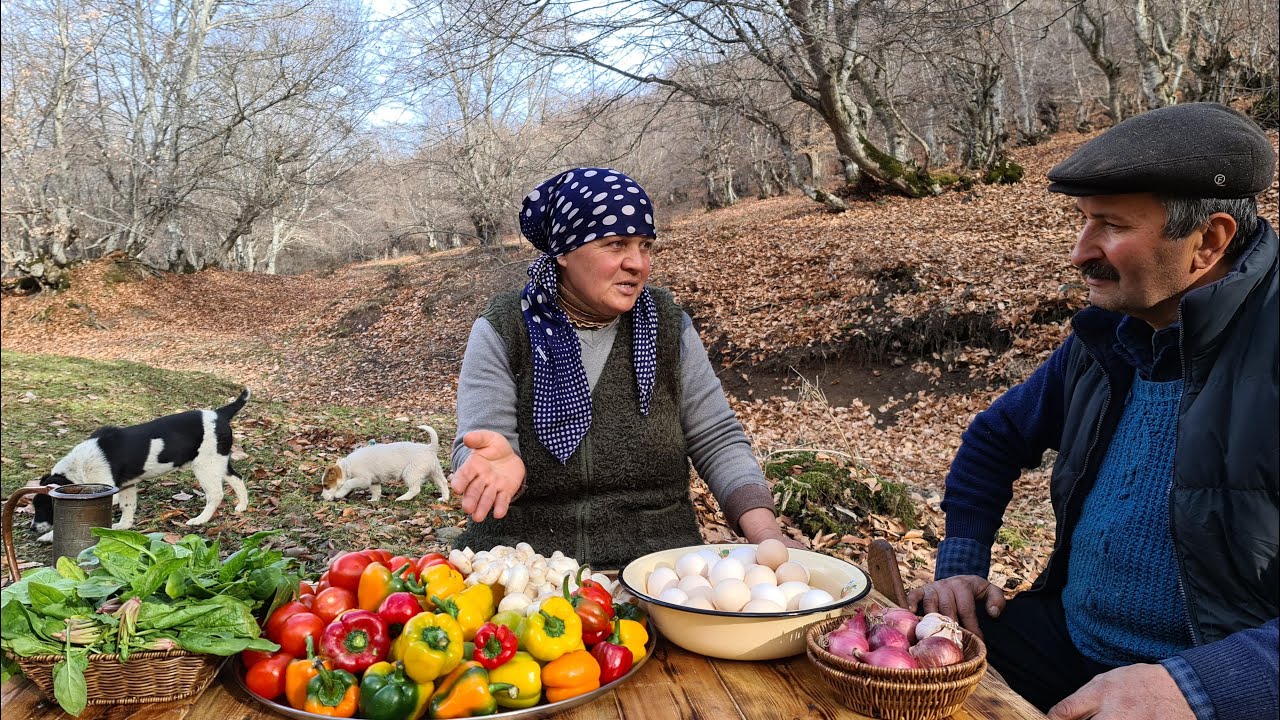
(1128, 263)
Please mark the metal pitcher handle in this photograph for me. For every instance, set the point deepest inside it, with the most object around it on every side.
(6, 527)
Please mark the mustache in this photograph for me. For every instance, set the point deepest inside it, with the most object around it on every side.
(1099, 270)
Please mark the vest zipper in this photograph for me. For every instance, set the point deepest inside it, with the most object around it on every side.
(1182, 588)
(584, 506)
(1088, 456)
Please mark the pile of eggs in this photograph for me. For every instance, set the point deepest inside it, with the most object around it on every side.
(749, 579)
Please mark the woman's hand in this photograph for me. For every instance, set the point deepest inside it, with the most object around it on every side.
(760, 524)
(490, 477)
(957, 597)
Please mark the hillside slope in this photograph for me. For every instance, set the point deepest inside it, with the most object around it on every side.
(876, 333)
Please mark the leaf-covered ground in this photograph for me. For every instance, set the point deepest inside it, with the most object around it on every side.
(873, 335)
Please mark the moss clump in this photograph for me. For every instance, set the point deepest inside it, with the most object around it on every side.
(1012, 538)
(1004, 172)
(824, 495)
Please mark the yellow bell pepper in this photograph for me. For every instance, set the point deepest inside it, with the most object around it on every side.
(471, 608)
(552, 631)
(442, 581)
(572, 674)
(429, 646)
(634, 637)
(524, 674)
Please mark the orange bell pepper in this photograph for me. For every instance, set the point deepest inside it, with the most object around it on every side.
(572, 674)
(298, 674)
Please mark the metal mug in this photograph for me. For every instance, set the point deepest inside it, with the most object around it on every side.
(77, 510)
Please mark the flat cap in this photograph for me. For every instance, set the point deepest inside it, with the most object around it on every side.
(1202, 150)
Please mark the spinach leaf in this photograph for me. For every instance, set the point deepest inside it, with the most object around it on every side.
(68, 682)
(43, 596)
(13, 621)
(198, 642)
(19, 590)
(98, 586)
(149, 582)
(160, 616)
(29, 645)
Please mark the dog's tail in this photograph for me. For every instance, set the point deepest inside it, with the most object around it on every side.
(435, 439)
(226, 412)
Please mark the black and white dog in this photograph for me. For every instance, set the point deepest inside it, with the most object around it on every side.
(124, 456)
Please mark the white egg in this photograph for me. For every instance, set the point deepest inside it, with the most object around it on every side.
(727, 569)
(757, 574)
(792, 590)
(814, 598)
(700, 602)
(730, 595)
(792, 571)
(704, 592)
(765, 591)
(711, 556)
(761, 606)
(689, 582)
(659, 580)
(674, 595)
(691, 563)
(771, 553)
(745, 555)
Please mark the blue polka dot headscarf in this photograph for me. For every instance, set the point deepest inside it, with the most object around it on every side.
(559, 216)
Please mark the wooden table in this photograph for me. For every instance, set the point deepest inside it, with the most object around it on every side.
(674, 684)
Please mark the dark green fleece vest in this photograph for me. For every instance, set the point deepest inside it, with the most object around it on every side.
(625, 491)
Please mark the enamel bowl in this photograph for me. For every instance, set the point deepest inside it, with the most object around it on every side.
(745, 636)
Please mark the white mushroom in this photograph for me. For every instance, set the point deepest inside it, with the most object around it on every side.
(488, 575)
(460, 561)
(515, 578)
(516, 602)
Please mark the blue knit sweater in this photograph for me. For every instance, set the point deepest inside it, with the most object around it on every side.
(1122, 600)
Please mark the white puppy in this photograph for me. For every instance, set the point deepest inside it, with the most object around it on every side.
(370, 466)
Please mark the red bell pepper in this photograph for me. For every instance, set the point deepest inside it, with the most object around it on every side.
(398, 609)
(495, 644)
(356, 640)
(595, 619)
(615, 658)
(593, 590)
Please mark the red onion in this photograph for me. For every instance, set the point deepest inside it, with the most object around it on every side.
(857, 623)
(903, 620)
(845, 642)
(887, 636)
(935, 651)
(891, 657)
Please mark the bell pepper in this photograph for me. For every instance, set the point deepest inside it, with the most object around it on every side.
(524, 674)
(386, 693)
(377, 582)
(615, 658)
(355, 640)
(593, 590)
(595, 619)
(430, 646)
(335, 693)
(298, 674)
(633, 635)
(398, 609)
(471, 608)
(495, 645)
(631, 611)
(572, 674)
(553, 631)
(442, 581)
(510, 618)
(466, 692)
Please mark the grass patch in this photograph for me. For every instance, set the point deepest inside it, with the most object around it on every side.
(51, 403)
(1012, 538)
(826, 494)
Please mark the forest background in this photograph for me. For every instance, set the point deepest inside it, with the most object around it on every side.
(315, 199)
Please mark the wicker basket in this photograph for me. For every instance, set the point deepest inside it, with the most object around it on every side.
(893, 693)
(150, 676)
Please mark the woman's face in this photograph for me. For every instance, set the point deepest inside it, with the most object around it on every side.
(607, 275)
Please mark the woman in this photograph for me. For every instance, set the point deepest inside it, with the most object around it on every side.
(582, 397)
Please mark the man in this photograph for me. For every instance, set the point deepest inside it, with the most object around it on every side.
(1160, 597)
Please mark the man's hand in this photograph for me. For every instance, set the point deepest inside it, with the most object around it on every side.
(1133, 692)
(957, 597)
(490, 477)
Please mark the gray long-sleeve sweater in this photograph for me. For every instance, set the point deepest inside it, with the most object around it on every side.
(718, 447)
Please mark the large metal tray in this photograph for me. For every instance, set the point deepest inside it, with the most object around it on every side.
(537, 712)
